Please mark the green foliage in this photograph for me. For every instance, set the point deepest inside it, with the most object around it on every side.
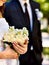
(44, 4)
(46, 50)
(44, 30)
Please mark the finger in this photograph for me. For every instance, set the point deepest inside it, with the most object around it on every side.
(22, 49)
(25, 44)
(14, 42)
(18, 49)
(26, 41)
(22, 45)
(17, 43)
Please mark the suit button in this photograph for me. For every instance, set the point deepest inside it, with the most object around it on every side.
(31, 48)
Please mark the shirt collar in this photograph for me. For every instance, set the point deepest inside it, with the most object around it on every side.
(22, 4)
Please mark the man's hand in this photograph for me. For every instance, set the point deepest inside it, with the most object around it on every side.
(21, 48)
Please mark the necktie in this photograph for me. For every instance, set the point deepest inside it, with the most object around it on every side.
(27, 19)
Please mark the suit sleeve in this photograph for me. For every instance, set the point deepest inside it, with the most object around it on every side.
(39, 33)
(7, 13)
(40, 38)
(40, 49)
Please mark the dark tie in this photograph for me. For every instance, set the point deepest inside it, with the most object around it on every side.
(27, 19)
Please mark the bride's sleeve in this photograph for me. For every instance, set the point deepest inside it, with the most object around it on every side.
(5, 25)
(3, 28)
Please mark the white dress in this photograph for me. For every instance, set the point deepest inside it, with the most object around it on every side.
(3, 28)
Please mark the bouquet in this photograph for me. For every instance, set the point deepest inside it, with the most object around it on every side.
(17, 35)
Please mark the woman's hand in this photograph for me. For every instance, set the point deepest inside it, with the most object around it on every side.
(8, 53)
(21, 48)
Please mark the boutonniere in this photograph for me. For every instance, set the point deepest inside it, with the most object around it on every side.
(39, 14)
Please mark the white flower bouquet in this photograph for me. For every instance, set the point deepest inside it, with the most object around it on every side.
(17, 35)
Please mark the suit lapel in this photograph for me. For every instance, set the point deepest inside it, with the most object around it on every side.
(20, 14)
(22, 17)
(34, 18)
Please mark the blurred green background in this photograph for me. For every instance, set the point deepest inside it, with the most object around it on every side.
(44, 6)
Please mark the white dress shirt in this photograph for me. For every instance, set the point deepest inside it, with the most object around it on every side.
(29, 12)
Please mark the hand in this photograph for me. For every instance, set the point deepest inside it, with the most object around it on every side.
(21, 48)
(8, 53)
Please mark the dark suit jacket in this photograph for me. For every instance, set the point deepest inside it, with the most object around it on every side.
(15, 17)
